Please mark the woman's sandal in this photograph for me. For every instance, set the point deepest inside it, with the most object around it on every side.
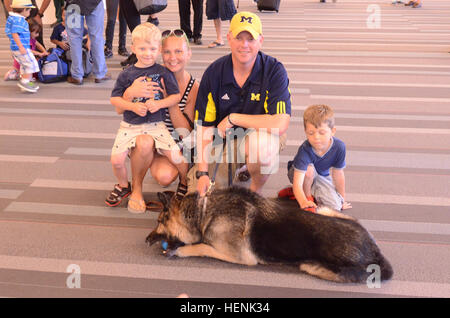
(136, 206)
(117, 195)
(215, 44)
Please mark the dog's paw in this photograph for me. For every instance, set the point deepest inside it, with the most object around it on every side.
(171, 253)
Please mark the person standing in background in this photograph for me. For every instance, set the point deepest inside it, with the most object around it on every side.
(184, 7)
(77, 11)
(111, 11)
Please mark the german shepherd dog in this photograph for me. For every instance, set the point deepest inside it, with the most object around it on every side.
(239, 226)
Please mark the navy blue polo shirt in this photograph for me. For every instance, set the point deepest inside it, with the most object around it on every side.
(333, 158)
(265, 91)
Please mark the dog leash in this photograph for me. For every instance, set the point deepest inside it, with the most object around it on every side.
(212, 181)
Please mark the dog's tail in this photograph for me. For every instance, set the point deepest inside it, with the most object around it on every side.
(380, 270)
(385, 267)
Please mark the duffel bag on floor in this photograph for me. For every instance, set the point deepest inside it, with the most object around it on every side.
(53, 68)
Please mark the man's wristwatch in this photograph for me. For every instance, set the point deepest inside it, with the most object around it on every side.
(40, 14)
(199, 174)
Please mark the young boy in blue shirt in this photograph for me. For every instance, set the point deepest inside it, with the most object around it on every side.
(312, 183)
(142, 130)
(18, 31)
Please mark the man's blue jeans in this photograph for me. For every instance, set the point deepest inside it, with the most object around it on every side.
(75, 27)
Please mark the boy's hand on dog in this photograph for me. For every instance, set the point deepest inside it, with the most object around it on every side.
(346, 205)
(307, 204)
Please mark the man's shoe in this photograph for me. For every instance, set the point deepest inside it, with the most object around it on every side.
(75, 81)
(123, 52)
(129, 61)
(198, 41)
(105, 78)
(153, 21)
(108, 53)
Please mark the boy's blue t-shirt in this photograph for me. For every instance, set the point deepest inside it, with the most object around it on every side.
(16, 23)
(334, 157)
(60, 34)
(156, 72)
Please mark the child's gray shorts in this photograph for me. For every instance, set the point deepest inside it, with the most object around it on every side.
(323, 190)
(28, 63)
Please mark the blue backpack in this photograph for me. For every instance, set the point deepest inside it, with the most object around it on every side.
(53, 67)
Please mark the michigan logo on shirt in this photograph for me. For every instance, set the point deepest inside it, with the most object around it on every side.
(255, 97)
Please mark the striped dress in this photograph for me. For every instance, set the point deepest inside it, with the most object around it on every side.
(181, 104)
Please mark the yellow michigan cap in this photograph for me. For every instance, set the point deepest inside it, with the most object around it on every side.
(246, 21)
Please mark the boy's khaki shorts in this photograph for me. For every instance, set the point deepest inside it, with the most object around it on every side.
(127, 134)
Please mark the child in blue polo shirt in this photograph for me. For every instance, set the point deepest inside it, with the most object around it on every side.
(312, 183)
(19, 34)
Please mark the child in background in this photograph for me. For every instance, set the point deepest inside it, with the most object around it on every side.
(312, 183)
(36, 47)
(59, 35)
(18, 31)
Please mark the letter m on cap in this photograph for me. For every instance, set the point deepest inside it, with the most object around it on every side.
(249, 19)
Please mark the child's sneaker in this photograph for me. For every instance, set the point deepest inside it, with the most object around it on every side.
(12, 75)
(30, 86)
(117, 195)
(287, 192)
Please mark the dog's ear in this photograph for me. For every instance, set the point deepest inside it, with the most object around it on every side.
(165, 200)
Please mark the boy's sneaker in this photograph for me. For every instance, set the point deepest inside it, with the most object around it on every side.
(31, 87)
(117, 195)
(12, 75)
(287, 192)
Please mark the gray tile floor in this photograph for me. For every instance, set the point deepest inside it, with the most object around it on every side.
(389, 88)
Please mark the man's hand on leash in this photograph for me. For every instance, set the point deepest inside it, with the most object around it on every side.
(203, 185)
(223, 126)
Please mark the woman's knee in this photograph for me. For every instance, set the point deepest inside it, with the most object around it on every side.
(163, 171)
(165, 178)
